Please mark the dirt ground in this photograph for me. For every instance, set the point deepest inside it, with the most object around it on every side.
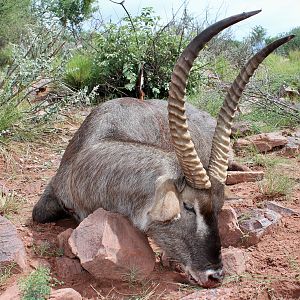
(273, 265)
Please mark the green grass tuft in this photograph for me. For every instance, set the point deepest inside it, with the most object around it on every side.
(36, 286)
(276, 184)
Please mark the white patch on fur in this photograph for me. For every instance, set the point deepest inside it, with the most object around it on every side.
(217, 274)
(201, 225)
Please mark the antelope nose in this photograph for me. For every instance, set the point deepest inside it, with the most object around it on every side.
(217, 275)
(213, 278)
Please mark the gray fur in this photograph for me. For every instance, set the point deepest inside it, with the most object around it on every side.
(122, 159)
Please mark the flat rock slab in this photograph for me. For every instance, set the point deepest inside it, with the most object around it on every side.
(212, 294)
(235, 177)
(284, 211)
(256, 223)
(110, 247)
(11, 246)
(263, 142)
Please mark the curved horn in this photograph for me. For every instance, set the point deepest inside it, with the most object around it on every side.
(220, 146)
(184, 147)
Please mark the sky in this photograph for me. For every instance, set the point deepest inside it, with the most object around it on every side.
(277, 16)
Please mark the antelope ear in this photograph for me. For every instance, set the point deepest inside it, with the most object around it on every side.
(166, 203)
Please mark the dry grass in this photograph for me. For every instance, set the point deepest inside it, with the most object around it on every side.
(6, 272)
(10, 203)
(276, 184)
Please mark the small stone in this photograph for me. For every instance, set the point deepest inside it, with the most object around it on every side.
(63, 242)
(110, 247)
(256, 223)
(35, 263)
(65, 294)
(215, 294)
(234, 261)
(236, 166)
(241, 144)
(284, 211)
(11, 246)
(235, 177)
(240, 129)
(68, 267)
(229, 230)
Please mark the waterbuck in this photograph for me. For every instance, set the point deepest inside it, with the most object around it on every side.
(138, 158)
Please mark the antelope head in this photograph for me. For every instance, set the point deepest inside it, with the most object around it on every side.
(186, 218)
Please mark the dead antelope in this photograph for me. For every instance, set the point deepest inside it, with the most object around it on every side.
(162, 165)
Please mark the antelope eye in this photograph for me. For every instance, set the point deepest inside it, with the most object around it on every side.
(189, 207)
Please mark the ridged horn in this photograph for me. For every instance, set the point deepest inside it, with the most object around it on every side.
(218, 163)
(188, 158)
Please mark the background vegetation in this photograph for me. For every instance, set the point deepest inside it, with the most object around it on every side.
(52, 55)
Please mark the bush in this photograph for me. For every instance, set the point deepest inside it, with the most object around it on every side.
(36, 286)
(40, 55)
(122, 48)
(79, 71)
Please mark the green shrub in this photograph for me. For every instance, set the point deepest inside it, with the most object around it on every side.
(5, 56)
(9, 114)
(39, 55)
(36, 286)
(79, 71)
(123, 48)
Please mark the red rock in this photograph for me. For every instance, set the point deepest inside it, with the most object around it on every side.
(68, 267)
(63, 242)
(241, 144)
(236, 166)
(12, 293)
(257, 223)
(213, 294)
(234, 261)
(263, 142)
(290, 150)
(230, 232)
(11, 246)
(35, 263)
(65, 294)
(109, 246)
(284, 211)
(240, 129)
(235, 177)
